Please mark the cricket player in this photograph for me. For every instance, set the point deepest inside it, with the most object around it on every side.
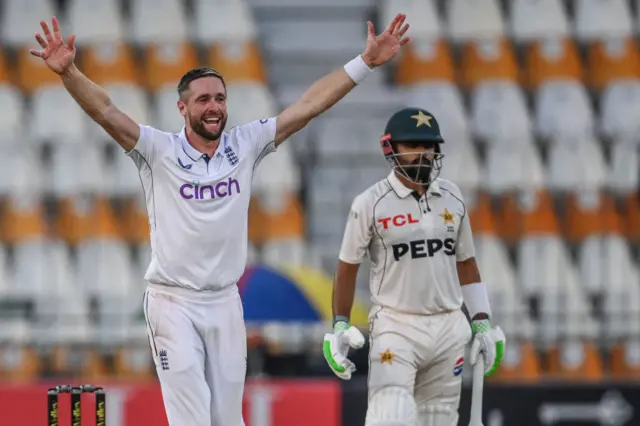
(197, 185)
(415, 228)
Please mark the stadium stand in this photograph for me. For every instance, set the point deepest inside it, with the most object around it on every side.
(537, 100)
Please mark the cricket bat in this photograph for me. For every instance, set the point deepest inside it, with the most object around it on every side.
(475, 418)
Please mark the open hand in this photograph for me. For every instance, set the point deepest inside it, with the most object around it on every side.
(56, 54)
(382, 48)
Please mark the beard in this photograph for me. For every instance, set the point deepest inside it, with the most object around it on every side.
(198, 127)
(418, 171)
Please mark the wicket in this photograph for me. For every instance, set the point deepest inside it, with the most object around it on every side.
(76, 403)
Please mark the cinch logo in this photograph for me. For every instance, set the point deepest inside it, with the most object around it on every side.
(424, 248)
(398, 220)
(222, 189)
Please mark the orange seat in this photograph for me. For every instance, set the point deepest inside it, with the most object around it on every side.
(109, 63)
(539, 216)
(424, 60)
(489, 59)
(5, 75)
(509, 218)
(613, 59)
(134, 222)
(166, 63)
(134, 362)
(85, 217)
(23, 222)
(589, 214)
(19, 363)
(519, 365)
(631, 212)
(78, 361)
(622, 366)
(551, 59)
(566, 363)
(285, 222)
(256, 222)
(32, 73)
(481, 216)
(238, 62)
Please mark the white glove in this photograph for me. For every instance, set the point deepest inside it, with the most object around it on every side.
(336, 348)
(491, 342)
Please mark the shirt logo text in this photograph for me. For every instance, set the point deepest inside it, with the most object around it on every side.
(222, 189)
(398, 220)
(424, 248)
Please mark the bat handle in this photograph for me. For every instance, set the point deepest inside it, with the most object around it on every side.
(475, 419)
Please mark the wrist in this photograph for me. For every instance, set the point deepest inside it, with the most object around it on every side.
(481, 326)
(368, 60)
(340, 323)
(358, 69)
(69, 72)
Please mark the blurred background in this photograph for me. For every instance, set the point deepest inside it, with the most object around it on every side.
(539, 104)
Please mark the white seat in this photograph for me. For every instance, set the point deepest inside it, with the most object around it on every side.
(621, 307)
(422, 14)
(445, 102)
(130, 99)
(622, 177)
(541, 260)
(167, 116)
(277, 173)
(604, 263)
(126, 179)
(21, 173)
(553, 100)
(619, 115)
(512, 167)
(4, 271)
(155, 21)
(12, 109)
(538, 19)
(576, 164)
(499, 112)
(56, 117)
(357, 140)
(470, 19)
(223, 20)
(595, 19)
(289, 252)
(461, 165)
(95, 21)
(247, 102)
(21, 19)
(71, 177)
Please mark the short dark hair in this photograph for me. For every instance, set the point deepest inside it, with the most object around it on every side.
(195, 74)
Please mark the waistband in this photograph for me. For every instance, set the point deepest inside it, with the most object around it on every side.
(222, 294)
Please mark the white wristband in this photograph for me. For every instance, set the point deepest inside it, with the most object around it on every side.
(357, 69)
(476, 298)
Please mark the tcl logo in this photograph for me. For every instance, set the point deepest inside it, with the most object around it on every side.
(398, 220)
(424, 248)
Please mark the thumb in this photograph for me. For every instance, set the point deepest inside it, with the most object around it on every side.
(371, 31)
(72, 41)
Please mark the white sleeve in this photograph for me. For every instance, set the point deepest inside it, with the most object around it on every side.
(358, 232)
(260, 135)
(465, 248)
(151, 143)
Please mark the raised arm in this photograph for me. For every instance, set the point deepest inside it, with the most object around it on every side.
(324, 93)
(93, 99)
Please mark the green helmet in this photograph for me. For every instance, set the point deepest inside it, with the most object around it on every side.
(415, 127)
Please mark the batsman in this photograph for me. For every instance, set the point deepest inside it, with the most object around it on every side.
(414, 226)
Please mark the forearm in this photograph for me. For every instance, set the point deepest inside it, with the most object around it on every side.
(92, 98)
(326, 92)
(474, 291)
(343, 295)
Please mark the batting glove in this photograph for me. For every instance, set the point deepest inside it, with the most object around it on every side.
(336, 348)
(490, 342)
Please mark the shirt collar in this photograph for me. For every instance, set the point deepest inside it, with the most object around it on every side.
(193, 153)
(402, 191)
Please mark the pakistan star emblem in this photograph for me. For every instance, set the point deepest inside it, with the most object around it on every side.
(422, 118)
(448, 217)
(387, 357)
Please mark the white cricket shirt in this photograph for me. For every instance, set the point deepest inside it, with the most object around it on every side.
(198, 209)
(413, 242)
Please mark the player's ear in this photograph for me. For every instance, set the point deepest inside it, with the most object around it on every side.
(182, 107)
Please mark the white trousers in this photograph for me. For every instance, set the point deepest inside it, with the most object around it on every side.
(200, 349)
(422, 354)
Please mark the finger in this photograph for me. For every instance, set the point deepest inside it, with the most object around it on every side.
(399, 23)
(41, 41)
(405, 41)
(392, 24)
(403, 30)
(371, 31)
(45, 30)
(72, 42)
(56, 29)
(37, 53)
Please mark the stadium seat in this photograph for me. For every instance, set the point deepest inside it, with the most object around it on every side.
(468, 20)
(6, 76)
(56, 117)
(444, 101)
(426, 23)
(631, 215)
(600, 19)
(619, 119)
(166, 114)
(576, 164)
(553, 99)
(283, 219)
(536, 20)
(21, 175)
(604, 261)
(362, 135)
(277, 172)
(23, 220)
(461, 165)
(424, 61)
(84, 216)
(95, 21)
(69, 177)
(223, 21)
(238, 61)
(622, 176)
(158, 21)
(512, 167)
(19, 361)
(32, 73)
(247, 102)
(612, 59)
(134, 362)
(499, 113)
(590, 213)
(481, 215)
(624, 364)
(125, 182)
(109, 63)
(575, 360)
(525, 213)
(134, 221)
(12, 111)
(76, 359)
(21, 20)
(487, 59)
(551, 59)
(165, 63)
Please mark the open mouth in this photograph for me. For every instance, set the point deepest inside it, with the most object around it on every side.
(212, 120)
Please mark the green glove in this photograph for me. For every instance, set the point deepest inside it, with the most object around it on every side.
(336, 348)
